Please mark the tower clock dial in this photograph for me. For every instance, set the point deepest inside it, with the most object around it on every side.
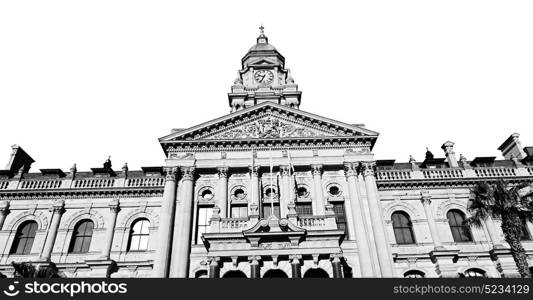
(264, 77)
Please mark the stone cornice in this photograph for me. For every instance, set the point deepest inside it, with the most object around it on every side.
(54, 194)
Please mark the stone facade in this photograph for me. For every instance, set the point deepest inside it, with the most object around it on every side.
(267, 190)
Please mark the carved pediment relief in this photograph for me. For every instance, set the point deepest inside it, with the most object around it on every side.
(269, 127)
(268, 121)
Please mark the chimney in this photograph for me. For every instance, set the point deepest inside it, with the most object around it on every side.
(450, 154)
(19, 162)
(512, 146)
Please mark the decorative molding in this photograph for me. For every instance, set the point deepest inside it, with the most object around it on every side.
(79, 215)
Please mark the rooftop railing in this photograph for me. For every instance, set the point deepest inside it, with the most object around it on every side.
(453, 173)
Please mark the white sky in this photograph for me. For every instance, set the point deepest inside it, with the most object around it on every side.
(81, 80)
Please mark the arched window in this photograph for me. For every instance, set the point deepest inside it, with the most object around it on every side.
(414, 274)
(24, 238)
(460, 232)
(139, 235)
(234, 274)
(316, 273)
(474, 273)
(403, 228)
(81, 237)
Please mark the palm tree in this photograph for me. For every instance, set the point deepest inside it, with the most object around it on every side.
(28, 270)
(510, 204)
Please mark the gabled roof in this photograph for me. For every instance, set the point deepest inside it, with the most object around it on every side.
(269, 121)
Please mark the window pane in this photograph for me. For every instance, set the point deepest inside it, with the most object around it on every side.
(134, 242)
(303, 208)
(340, 215)
(403, 231)
(460, 232)
(143, 243)
(145, 227)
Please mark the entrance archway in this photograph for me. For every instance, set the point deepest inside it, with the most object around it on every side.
(275, 273)
(316, 273)
(234, 274)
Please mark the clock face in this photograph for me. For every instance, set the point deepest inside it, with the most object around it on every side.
(263, 77)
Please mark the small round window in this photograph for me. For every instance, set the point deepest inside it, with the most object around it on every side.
(270, 192)
(207, 195)
(334, 190)
(238, 193)
(302, 192)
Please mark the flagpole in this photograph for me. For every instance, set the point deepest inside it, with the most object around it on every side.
(271, 185)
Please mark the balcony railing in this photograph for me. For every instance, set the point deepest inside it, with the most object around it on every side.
(453, 173)
(145, 182)
(94, 183)
(40, 184)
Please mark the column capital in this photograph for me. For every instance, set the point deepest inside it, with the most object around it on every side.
(254, 259)
(336, 257)
(187, 173)
(254, 170)
(367, 168)
(213, 260)
(425, 197)
(223, 172)
(170, 173)
(295, 258)
(316, 170)
(58, 206)
(114, 205)
(350, 169)
(4, 208)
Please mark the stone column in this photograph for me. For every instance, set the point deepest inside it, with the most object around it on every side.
(114, 207)
(365, 257)
(182, 226)
(426, 201)
(166, 223)
(254, 190)
(493, 234)
(336, 265)
(4, 211)
(318, 201)
(214, 268)
(57, 209)
(296, 267)
(223, 191)
(255, 268)
(374, 205)
(285, 196)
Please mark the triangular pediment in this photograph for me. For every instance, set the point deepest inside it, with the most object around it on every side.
(268, 121)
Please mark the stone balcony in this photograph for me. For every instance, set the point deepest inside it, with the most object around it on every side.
(309, 223)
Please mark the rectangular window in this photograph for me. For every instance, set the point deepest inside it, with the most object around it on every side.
(304, 208)
(239, 211)
(204, 216)
(340, 215)
(267, 210)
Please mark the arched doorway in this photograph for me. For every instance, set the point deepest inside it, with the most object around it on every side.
(316, 273)
(275, 273)
(234, 274)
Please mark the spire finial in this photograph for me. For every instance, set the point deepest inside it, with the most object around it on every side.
(262, 39)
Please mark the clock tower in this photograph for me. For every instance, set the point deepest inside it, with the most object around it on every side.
(263, 78)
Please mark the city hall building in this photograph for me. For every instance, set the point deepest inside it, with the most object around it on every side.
(267, 190)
